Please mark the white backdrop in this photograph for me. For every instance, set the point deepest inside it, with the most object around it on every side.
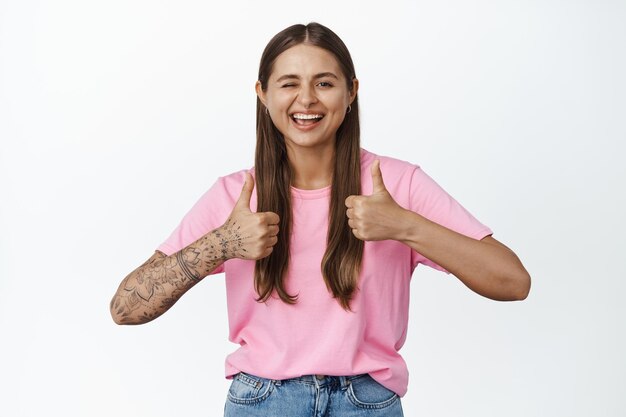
(116, 116)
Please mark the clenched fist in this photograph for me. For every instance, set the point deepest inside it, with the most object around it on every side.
(376, 216)
(245, 234)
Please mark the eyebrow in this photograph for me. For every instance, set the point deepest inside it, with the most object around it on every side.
(315, 77)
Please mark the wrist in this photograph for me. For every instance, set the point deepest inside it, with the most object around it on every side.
(226, 241)
(411, 223)
(216, 241)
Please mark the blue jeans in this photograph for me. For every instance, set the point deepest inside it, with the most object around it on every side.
(310, 396)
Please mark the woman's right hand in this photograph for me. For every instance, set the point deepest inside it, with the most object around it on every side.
(245, 234)
(152, 288)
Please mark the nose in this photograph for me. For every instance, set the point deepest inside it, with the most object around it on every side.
(306, 97)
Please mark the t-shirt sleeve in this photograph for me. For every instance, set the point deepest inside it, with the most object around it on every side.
(208, 213)
(430, 200)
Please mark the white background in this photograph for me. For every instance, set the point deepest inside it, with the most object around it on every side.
(116, 116)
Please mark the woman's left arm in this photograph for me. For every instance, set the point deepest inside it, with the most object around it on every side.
(486, 266)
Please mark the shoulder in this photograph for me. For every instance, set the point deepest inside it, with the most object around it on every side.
(397, 174)
(368, 157)
(393, 167)
(228, 187)
(236, 178)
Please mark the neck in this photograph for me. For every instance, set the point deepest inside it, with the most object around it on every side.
(312, 168)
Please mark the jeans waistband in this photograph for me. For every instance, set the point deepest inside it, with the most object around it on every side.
(322, 380)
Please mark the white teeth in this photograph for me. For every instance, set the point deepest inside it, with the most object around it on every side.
(307, 116)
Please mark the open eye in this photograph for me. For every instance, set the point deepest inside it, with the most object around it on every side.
(326, 84)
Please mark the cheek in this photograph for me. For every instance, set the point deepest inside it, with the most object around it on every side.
(280, 98)
(339, 100)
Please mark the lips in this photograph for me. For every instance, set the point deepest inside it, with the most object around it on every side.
(306, 120)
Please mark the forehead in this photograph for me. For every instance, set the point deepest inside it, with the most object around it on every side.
(305, 60)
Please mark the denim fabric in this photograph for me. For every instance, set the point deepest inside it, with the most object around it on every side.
(310, 396)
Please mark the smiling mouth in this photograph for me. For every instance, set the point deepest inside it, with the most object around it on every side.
(306, 119)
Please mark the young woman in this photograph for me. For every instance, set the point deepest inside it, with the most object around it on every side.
(318, 242)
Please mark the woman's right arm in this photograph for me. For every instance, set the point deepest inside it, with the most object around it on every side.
(151, 289)
(154, 287)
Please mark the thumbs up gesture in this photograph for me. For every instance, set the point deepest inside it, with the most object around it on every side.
(245, 234)
(376, 216)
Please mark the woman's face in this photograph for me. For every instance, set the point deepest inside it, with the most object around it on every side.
(306, 83)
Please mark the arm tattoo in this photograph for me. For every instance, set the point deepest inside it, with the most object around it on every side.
(230, 240)
(156, 285)
(183, 265)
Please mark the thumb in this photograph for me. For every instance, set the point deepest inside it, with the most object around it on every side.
(246, 193)
(377, 178)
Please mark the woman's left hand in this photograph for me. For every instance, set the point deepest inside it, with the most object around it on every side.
(376, 216)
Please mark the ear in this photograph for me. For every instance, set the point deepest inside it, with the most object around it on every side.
(260, 93)
(355, 89)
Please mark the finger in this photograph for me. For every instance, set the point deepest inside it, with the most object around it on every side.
(356, 234)
(272, 241)
(272, 230)
(272, 218)
(350, 201)
(268, 252)
(377, 178)
(349, 213)
(246, 193)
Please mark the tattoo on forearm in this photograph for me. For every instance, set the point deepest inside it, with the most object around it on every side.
(231, 240)
(157, 285)
(148, 292)
(180, 257)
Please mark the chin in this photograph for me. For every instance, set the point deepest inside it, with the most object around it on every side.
(309, 142)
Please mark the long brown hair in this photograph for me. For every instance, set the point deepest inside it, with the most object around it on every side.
(341, 263)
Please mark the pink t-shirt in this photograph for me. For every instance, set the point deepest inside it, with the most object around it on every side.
(316, 336)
